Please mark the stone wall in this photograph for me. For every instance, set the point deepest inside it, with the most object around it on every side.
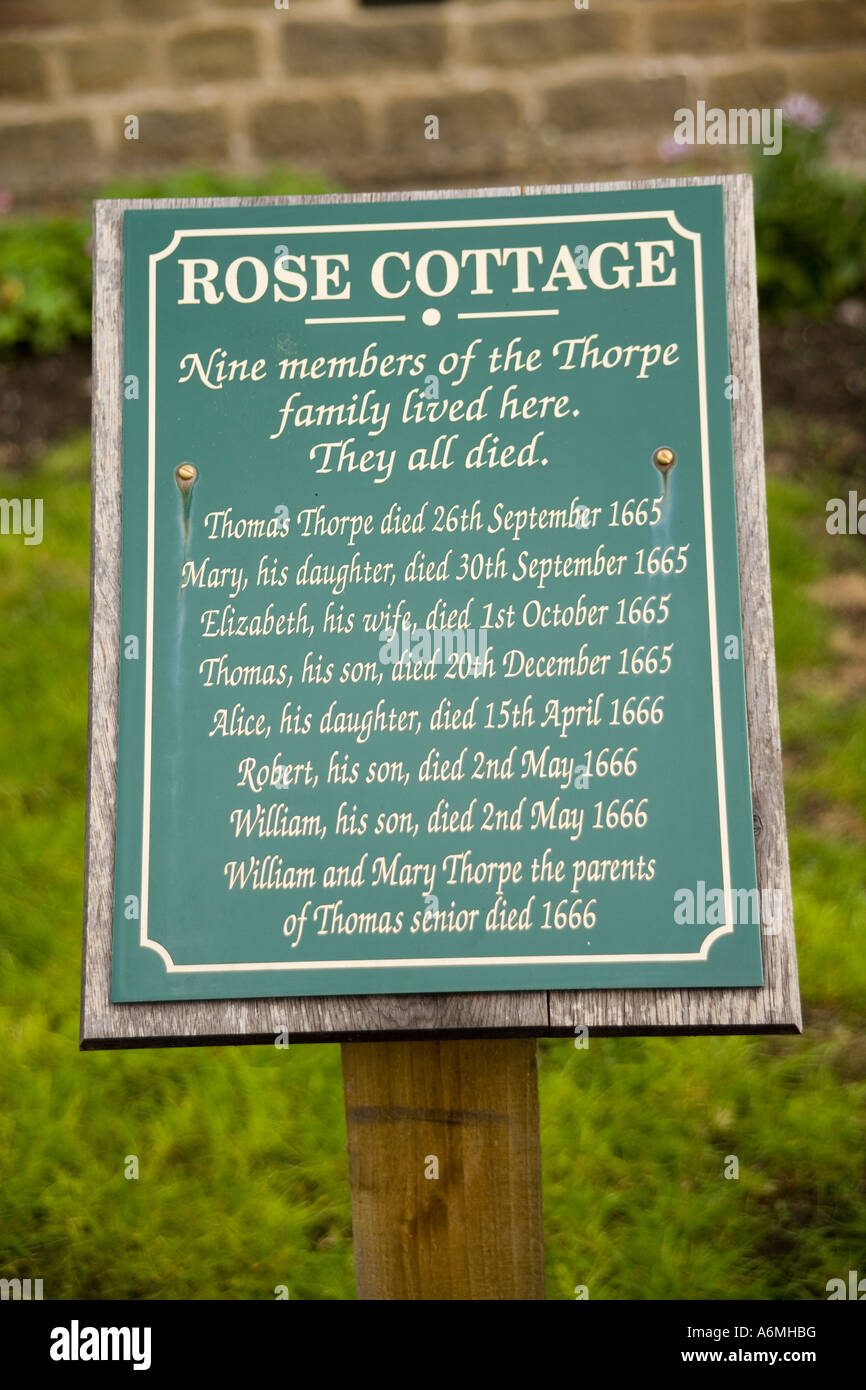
(524, 91)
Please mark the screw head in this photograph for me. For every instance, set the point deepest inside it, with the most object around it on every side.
(664, 459)
(185, 474)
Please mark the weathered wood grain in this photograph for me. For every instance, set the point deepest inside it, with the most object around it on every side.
(773, 1008)
(474, 1230)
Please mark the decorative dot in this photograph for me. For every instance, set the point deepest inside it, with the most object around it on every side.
(430, 316)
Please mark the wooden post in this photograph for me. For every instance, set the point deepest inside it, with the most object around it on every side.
(445, 1166)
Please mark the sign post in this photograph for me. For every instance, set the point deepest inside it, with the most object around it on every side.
(445, 1166)
(433, 702)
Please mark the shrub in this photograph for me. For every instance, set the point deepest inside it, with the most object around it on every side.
(44, 283)
(810, 221)
(45, 270)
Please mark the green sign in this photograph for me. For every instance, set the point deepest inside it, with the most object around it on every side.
(431, 660)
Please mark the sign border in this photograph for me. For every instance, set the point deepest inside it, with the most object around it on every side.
(444, 962)
(773, 1007)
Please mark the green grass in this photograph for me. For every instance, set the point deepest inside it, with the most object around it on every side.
(243, 1180)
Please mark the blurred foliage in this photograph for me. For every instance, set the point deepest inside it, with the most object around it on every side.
(45, 269)
(810, 226)
(44, 283)
(198, 183)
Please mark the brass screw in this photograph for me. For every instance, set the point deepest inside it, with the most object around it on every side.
(185, 475)
(664, 460)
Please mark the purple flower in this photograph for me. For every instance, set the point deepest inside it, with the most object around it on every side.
(5, 200)
(670, 150)
(804, 111)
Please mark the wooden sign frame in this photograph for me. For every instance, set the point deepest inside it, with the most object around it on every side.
(772, 1008)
